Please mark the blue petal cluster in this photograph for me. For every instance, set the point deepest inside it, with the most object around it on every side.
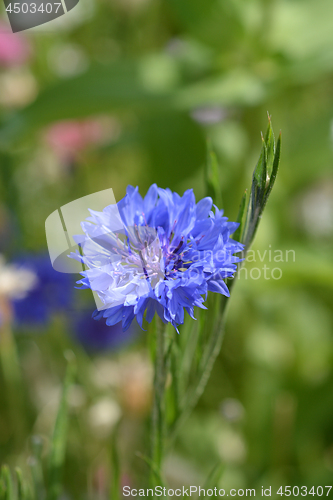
(166, 254)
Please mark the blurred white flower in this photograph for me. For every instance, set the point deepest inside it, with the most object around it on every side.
(103, 416)
(105, 373)
(269, 348)
(231, 447)
(18, 87)
(179, 471)
(131, 378)
(67, 60)
(232, 409)
(47, 395)
(209, 115)
(15, 281)
(136, 384)
(316, 209)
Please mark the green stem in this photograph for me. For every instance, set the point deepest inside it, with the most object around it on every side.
(211, 352)
(158, 410)
(13, 379)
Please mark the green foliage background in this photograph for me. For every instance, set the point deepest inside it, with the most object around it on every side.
(150, 65)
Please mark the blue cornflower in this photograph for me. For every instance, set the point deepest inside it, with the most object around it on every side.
(161, 253)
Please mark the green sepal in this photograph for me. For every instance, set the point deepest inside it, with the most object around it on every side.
(260, 172)
(263, 179)
(275, 167)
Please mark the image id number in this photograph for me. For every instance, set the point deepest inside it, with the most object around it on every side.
(32, 8)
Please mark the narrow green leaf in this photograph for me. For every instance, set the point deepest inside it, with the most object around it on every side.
(212, 180)
(152, 466)
(8, 483)
(176, 376)
(260, 172)
(115, 486)
(2, 489)
(35, 464)
(22, 493)
(214, 476)
(149, 84)
(58, 445)
(123, 84)
(189, 339)
(158, 410)
(2, 484)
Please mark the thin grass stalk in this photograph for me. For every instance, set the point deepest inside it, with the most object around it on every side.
(10, 366)
(158, 409)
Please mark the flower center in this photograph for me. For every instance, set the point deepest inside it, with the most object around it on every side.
(144, 256)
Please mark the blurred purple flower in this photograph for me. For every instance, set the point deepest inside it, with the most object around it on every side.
(98, 336)
(52, 293)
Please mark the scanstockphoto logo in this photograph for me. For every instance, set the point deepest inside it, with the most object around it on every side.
(27, 14)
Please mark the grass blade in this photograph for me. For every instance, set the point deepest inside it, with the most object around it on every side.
(36, 468)
(22, 489)
(115, 486)
(212, 180)
(8, 483)
(214, 476)
(154, 469)
(58, 445)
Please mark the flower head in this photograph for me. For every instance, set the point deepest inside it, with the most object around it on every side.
(161, 253)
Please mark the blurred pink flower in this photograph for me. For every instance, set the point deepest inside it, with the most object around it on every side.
(14, 48)
(68, 138)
